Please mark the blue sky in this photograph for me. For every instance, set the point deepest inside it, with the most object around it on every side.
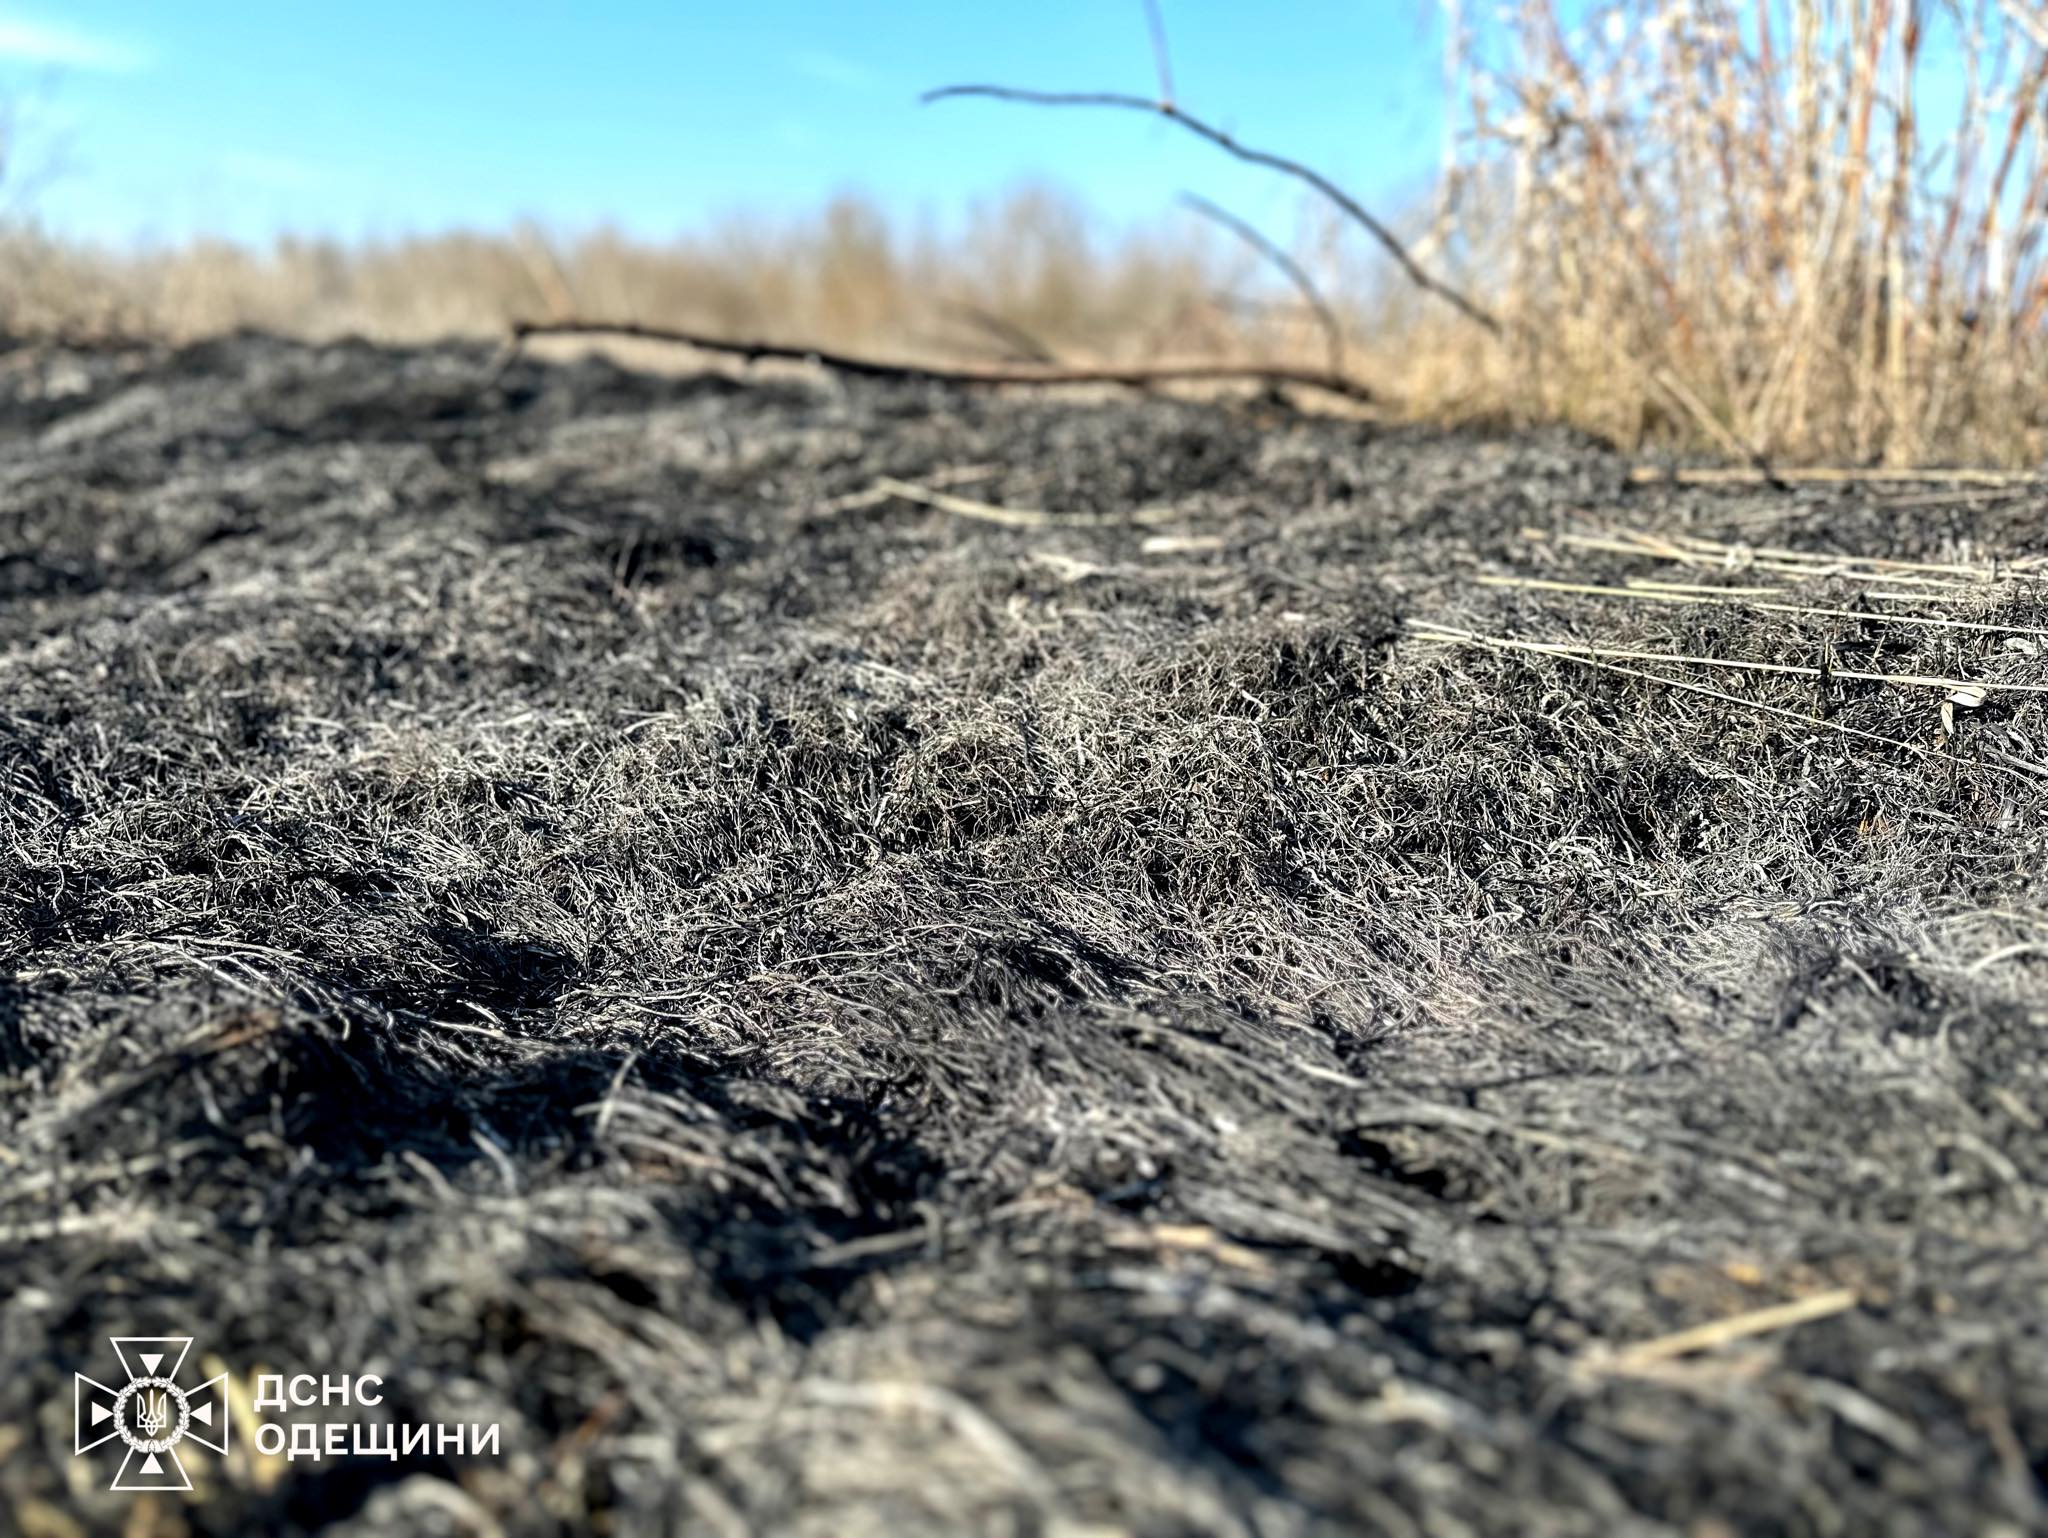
(243, 119)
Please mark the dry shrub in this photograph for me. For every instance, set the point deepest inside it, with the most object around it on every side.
(1798, 227)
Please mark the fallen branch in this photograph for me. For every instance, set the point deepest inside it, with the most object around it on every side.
(1350, 206)
(1133, 376)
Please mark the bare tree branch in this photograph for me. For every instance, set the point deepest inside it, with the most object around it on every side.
(1333, 334)
(1350, 206)
(1161, 61)
(1136, 377)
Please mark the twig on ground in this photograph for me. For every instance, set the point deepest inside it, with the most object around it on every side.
(1825, 562)
(1693, 550)
(1740, 600)
(1133, 376)
(1747, 475)
(1181, 544)
(1974, 497)
(1654, 585)
(1194, 1238)
(1009, 517)
(1741, 664)
(957, 475)
(1719, 1332)
(1434, 632)
(1333, 333)
(1350, 206)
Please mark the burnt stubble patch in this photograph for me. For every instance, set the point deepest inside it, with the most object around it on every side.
(827, 1014)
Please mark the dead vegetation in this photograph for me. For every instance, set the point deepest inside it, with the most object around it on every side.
(1025, 277)
(786, 945)
(842, 954)
(1795, 232)
(1800, 230)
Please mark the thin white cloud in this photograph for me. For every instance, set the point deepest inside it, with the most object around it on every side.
(833, 69)
(23, 41)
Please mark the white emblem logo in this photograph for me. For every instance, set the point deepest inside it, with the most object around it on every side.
(151, 1413)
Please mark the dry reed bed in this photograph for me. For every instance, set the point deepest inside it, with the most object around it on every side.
(1794, 227)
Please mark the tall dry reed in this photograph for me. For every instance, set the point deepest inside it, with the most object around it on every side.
(1803, 228)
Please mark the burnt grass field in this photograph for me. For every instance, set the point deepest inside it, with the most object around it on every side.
(818, 1012)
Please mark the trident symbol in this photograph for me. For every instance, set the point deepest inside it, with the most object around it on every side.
(154, 1414)
(148, 1412)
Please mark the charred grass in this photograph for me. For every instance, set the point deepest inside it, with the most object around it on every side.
(820, 1013)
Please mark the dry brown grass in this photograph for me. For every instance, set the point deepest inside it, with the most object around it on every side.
(1028, 272)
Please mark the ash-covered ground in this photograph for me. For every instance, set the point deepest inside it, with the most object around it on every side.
(821, 1013)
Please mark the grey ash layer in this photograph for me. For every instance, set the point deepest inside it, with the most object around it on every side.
(860, 1020)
